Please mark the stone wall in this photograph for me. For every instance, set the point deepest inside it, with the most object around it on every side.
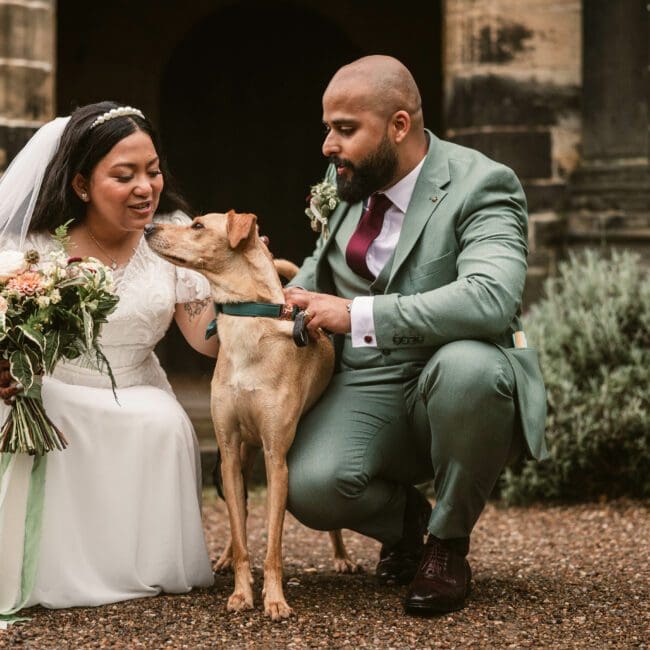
(27, 71)
(608, 201)
(512, 74)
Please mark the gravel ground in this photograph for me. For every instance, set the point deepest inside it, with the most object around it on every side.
(561, 577)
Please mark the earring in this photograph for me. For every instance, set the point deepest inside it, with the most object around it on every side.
(84, 196)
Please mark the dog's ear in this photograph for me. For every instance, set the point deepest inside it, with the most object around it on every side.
(240, 227)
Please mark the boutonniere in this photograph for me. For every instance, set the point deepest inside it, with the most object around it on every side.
(322, 200)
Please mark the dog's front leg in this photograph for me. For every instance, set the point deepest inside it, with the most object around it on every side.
(247, 455)
(277, 476)
(233, 487)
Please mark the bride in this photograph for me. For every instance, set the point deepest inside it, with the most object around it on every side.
(117, 514)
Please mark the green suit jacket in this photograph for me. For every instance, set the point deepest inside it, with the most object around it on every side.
(458, 271)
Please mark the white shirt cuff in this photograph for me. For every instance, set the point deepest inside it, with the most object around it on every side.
(363, 323)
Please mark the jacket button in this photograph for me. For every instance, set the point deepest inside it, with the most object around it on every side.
(367, 338)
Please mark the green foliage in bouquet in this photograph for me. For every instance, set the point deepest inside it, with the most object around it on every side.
(50, 309)
(593, 336)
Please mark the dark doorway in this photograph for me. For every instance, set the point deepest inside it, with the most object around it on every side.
(241, 116)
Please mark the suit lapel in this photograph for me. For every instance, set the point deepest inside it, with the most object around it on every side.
(323, 272)
(427, 196)
(339, 217)
(346, 226)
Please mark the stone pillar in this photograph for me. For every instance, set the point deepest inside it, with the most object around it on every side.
(609, 194)
(27, 42)
(512, 90)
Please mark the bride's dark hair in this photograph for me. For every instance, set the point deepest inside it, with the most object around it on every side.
(80, 150)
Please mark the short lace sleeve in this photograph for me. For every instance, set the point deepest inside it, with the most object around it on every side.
(190, 285)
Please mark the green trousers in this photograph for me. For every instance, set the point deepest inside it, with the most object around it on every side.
(375, 430)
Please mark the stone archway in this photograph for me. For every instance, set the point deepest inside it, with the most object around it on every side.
(241, 114)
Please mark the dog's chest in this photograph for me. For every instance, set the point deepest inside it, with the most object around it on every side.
(251, 355)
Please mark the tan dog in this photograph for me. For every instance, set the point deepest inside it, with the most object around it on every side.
(262, 384)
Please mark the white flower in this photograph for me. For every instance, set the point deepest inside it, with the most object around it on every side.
(4, 305)
(55, 297)
(59, 258)
(323, 200)
(43, 301)
(11, 263)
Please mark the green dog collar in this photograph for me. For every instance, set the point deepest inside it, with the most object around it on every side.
(252, 309)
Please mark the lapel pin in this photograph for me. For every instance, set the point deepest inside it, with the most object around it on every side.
(434, 198)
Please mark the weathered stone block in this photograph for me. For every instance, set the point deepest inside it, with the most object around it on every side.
(26, 93)
(498, 100)
(545, 229)
(27, 32)
(543, 197)
(527, 153)
(542, 38)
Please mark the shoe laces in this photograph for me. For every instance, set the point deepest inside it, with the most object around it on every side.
(437, 559)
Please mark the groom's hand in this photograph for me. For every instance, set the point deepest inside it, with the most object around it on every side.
(8, 387)
(323, 310)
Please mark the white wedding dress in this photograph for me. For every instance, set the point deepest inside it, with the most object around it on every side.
(121, 513)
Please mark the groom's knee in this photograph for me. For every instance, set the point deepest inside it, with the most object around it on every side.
(319, 493)
(465, 372)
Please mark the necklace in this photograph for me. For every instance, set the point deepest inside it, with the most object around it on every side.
(113, 260)
(103, 250)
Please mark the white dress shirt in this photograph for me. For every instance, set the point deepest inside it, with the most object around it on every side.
(379, 252)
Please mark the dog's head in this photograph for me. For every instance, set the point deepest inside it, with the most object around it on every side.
(226, 248)
(208, 243)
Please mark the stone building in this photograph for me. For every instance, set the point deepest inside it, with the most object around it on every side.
(557, 89)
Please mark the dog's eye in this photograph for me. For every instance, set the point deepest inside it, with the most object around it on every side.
(197, 225)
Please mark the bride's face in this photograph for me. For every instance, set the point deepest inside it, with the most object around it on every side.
(125, 186)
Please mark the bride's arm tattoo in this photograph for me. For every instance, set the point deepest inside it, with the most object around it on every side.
(195, 308)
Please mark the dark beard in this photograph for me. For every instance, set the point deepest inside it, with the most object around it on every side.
(370, 175)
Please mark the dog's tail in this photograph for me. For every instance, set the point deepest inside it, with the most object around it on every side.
(285, 268)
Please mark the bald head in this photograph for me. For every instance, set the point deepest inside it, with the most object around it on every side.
(380, 83)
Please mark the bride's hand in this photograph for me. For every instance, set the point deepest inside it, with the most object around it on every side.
(8, 386)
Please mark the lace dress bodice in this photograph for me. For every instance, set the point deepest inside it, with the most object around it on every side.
(149, 289)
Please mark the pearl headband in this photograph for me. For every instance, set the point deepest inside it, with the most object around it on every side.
(122, 111)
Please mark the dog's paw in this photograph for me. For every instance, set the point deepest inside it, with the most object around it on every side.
(277, 610)
(224, 563)
(239, 602)
(346, 565)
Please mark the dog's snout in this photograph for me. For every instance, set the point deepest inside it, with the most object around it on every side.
(149, 229)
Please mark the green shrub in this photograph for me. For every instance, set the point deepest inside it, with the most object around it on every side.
(593, 335)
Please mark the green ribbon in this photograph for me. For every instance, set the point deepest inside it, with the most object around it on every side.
(33, 530)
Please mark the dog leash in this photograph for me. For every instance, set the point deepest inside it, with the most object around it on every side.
(264, 310)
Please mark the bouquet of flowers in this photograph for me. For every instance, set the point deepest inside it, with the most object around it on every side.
(50, 309)
(322, 201)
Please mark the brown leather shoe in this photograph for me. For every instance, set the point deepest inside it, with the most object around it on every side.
(442, 582)
(399, 562)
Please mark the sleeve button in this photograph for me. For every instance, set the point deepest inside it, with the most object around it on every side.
(367, 338)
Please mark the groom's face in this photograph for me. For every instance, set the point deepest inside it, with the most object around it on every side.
(358, 145)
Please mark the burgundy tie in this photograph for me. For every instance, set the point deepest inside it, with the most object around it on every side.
(367, 230)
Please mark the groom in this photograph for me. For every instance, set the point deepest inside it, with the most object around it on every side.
(421, 278)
